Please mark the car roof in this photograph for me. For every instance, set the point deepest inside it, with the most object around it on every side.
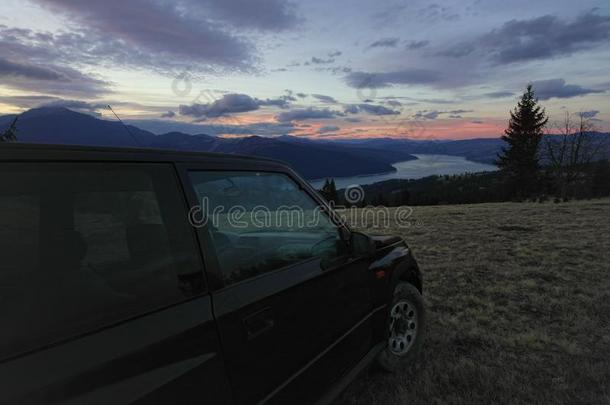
(47, 152)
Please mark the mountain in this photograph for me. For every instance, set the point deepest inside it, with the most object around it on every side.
(312, 160)
(64, 126)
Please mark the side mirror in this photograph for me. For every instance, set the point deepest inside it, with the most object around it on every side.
(362, 245)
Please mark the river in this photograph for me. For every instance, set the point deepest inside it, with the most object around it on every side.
(423, 166)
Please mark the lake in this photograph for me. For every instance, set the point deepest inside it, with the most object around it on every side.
(425, 165)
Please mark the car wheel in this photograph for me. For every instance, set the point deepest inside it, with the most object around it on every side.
(405, 327)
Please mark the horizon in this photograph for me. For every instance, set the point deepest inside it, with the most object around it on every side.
(188, 129)
(442, 71)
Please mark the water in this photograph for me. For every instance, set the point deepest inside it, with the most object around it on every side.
(425, 165)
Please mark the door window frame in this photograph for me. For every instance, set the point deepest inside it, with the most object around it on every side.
(215, 280)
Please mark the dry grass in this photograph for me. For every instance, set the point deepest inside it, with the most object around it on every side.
(518, 299)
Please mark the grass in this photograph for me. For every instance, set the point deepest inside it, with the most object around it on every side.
(518, 301)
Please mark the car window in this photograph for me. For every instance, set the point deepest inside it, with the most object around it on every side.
(86, 245)
(260, 222)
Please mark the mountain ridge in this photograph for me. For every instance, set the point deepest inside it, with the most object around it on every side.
(56, 125)
(313, 159)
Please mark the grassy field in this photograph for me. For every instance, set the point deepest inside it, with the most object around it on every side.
(518, 299)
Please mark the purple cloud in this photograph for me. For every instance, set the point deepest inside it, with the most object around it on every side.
(557, 88)
(325, 99)
(306, 114)
(230, 104)
(388, 79)
(385, 43)
(159, 28)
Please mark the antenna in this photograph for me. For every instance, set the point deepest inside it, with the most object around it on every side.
(125, 126)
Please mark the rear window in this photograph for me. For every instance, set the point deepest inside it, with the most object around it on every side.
(87, 245)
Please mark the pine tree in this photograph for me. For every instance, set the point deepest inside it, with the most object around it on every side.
(329, 191)
(519, 161)
(332, 192)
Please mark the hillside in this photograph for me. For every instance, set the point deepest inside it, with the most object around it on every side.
(311, 160)
(518, 303)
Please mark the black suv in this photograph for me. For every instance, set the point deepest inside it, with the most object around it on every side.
(148, 276)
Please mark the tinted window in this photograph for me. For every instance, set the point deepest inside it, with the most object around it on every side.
(86, 245)
(260, 222)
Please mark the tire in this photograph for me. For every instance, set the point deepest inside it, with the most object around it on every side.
(405, 328)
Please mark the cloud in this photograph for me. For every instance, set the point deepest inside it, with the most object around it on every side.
(306, 114)
(301, 95)
(325, 99)
(434, 114)
(289, 96)
(499, 94)
(328, 128)
(557, 88)
(334, 54)
(27, 101)
(268, 15)
(155, 30)
(435, 12)
(351, 109)
(28, 71)
(230, 104)
(458, 50)
(537, 38)
(477, 122)
(372, 109)
(385, 43)
(427, 115)
(417, 44)
(524, 40)
(394, 103)
(353, 119)
(388, 79)
(75, 105)
(589, 114)
(281, 102)
(50, 78)
(319, 61)
(39, 101)
(169, 114)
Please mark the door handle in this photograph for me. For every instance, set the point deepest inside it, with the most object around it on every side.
(258, 323)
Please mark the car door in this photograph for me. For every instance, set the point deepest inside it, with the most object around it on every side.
(103, 298)
(292, 305)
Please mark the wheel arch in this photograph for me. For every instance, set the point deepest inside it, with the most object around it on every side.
(408, 271)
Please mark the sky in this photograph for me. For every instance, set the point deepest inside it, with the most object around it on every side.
(312, 68)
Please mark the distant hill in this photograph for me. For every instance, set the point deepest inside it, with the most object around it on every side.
(482, 150)
(312, 160)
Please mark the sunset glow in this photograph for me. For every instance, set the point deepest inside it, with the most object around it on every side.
(449, 70)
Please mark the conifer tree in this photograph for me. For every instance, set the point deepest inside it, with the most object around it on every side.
(519, 161)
